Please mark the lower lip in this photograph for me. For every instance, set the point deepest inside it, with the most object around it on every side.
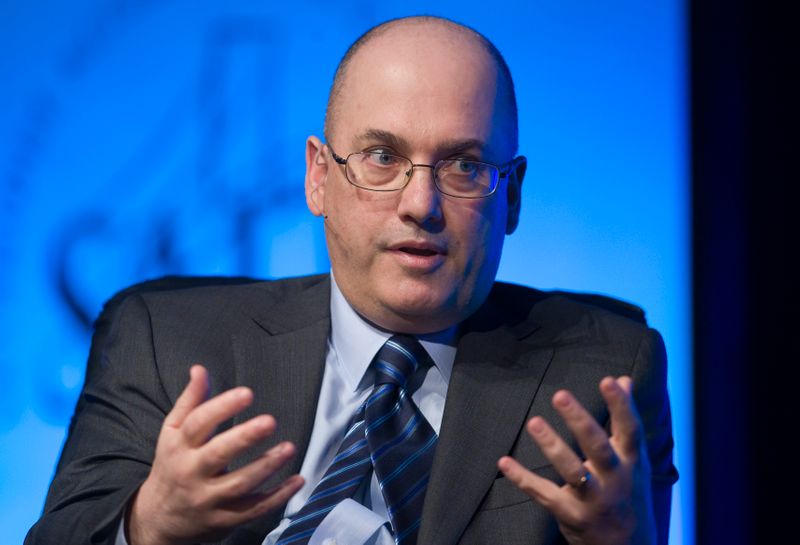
(417, 261)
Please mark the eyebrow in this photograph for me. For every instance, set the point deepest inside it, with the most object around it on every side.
(448, 147)
(378, 135)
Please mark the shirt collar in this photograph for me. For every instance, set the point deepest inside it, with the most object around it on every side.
(356, 341)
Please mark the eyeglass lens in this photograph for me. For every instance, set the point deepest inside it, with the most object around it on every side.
(384, 171)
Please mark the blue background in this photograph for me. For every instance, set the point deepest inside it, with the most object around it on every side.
(140, 138)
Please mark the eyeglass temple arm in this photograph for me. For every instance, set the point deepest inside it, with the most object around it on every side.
(336, 158)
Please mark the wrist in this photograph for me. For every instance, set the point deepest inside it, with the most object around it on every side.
(142, 525)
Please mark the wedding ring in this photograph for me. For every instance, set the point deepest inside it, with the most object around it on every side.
(583, 482)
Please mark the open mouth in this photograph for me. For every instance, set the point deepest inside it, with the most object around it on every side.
(417, 251)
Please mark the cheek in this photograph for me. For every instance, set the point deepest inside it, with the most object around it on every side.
(348, 242)
(354, 222)
(487, 229)
(479, 245)
(340, 231)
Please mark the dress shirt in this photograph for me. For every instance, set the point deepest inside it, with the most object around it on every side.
(347, 382)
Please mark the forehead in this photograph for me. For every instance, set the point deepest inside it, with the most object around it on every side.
(426, 83)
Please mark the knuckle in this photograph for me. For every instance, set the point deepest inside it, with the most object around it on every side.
(272, 460)
(527, 486)
(534, 493)
(267, 465)
(576, 474)
(200, 502)
(581, 524)
(216, 458)
(190, 427)
(588, 425)
(515, 474)
(216, 520)
(249, 436)
(238, 486)
(601, 448)
(167, 449)
(548, 440)
(183, 473)
(270, 501)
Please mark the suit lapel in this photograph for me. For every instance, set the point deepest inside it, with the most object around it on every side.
(495, 377)
(280, 354)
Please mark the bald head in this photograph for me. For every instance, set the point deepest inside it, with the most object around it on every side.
(396, 33)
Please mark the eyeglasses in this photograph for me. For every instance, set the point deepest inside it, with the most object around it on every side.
(381, 171)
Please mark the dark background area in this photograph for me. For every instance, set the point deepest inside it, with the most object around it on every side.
(742, 55)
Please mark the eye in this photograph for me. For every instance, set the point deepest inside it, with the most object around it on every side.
(464, 166)
(381, 158)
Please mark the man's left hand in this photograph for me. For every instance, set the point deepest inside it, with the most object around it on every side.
(607, 497)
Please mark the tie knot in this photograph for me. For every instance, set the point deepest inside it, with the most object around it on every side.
(397, 360)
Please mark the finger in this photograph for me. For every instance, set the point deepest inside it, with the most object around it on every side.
(221, 449)
(591, 437)
(258, 504)
(242, 482)
(551, 496)
(201, 422)
(563, 458)
(625, 424)
(278, 496)
(194, 394)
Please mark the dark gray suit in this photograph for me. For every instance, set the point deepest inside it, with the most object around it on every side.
(515, 352)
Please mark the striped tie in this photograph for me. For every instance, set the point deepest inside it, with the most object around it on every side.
(341, 480)
(399, 442)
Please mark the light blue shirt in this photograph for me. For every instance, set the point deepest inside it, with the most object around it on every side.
(347, 381)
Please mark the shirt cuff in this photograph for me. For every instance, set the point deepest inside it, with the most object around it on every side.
(120, 539)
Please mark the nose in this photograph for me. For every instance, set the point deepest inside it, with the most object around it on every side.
(420, 201)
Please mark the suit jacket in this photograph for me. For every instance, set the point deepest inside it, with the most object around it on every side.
(513, 354)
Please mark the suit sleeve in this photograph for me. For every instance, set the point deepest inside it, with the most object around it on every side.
(650, 392)
(112, 435)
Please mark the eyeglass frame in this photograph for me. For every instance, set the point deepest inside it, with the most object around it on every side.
(502, 172)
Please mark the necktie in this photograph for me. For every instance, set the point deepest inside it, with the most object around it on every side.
(388, 433)
(401, 441)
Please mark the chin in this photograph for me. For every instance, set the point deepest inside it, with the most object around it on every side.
(419, 296)
(420, 313)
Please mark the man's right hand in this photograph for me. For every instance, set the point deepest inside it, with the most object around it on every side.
(189, 495)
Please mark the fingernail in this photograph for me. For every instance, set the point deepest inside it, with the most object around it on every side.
(263, 421)
(284, 448)
(503, 464)
(243, 392)
(536, 425)
(564, 401)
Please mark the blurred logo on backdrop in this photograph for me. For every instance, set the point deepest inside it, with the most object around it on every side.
(197, 178)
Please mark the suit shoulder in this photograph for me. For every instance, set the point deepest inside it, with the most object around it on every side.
(508, 294)
(564, 314)
(584, 328)
(197, 296)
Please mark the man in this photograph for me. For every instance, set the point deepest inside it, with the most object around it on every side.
(417, 184)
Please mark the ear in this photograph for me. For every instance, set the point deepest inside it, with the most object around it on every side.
(316, 176)
(514, 192)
